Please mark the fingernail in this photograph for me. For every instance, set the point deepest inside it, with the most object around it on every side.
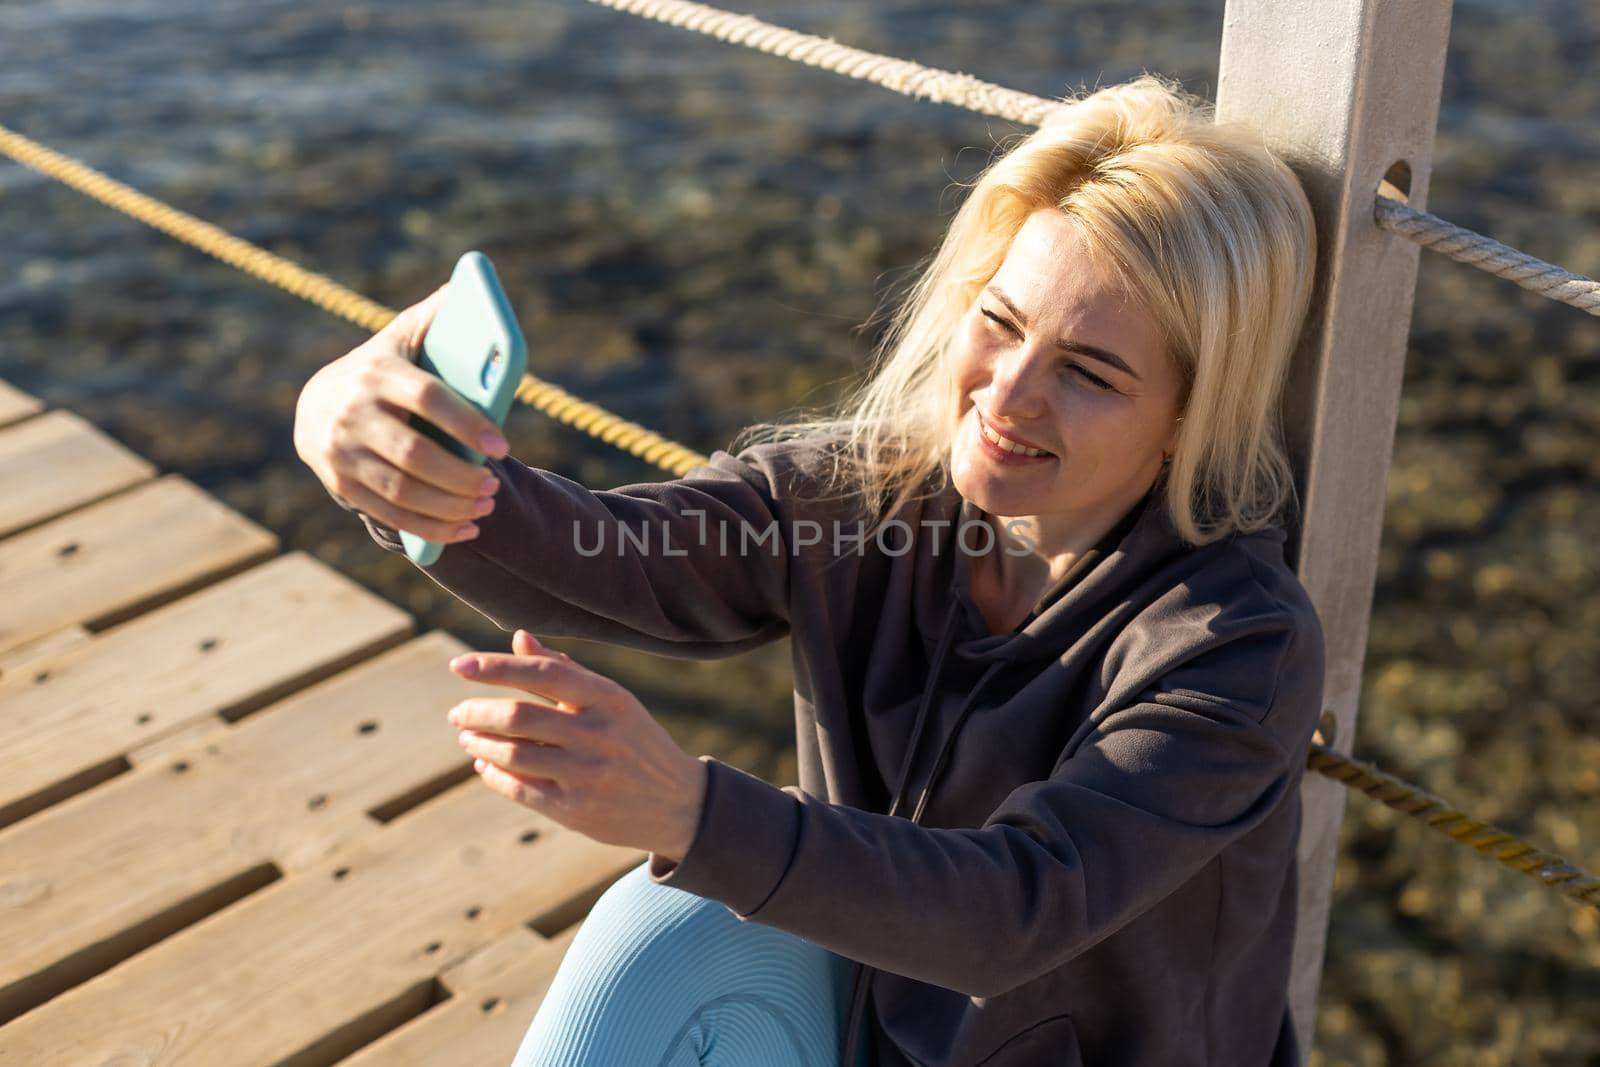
(468, 531)
(467, 666)
(493, 444)
(482, 507)
(490, 484)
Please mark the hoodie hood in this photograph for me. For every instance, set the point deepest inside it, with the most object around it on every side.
(1144, 538)
(1141, 541)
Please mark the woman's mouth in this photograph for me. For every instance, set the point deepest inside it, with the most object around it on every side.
(1003, 450)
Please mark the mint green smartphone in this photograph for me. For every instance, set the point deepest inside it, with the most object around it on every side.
(474, 346)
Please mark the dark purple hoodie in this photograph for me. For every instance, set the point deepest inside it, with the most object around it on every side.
(1073, 843)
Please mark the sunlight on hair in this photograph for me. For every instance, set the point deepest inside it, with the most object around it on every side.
(1201, 223)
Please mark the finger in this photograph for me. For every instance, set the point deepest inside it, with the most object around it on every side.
(520, 719)
(536, 793)
(376, 467)
(421, 458)
(410, 499)
(420, 317)
(524, 643)
(439, 531)
(545, 674)
(416, 391)
(524, 757)
(403, 333)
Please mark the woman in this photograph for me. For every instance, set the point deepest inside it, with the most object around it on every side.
(1054, 680)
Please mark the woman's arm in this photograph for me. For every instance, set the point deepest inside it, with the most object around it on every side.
(1159, 788)
(695, 567)
(552, 557)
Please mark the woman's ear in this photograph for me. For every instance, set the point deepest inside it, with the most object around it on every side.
(1170, 447)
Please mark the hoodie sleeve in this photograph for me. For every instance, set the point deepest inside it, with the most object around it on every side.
(1163, 784)
(695, 567)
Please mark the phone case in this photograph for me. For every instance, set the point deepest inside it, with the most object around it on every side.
(475, 346)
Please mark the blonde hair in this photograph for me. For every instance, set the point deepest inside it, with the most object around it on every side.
(1200, 222)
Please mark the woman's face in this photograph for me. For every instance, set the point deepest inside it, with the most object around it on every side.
(1105, 427)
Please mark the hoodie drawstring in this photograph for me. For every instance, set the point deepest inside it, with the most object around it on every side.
(934, 670)
(860, 987)
(950, 739)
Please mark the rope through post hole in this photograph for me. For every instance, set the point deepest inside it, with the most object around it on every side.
(1487, 254)
(913, 80)
(328, 294)
(963, 90)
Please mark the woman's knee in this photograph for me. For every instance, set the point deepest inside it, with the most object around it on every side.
(652, 959)
(638, 922)
(635, 916)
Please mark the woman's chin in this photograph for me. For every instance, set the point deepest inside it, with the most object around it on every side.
(997, 492)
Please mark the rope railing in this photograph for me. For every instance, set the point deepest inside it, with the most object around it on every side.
(1487, 254)
(328, 294)
(902, 76)
(909, 78)
(964, 90)
(1548, 869)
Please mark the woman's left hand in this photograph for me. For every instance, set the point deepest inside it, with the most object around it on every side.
(598, 763)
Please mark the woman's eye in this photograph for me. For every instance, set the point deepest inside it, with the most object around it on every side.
(1099, 383)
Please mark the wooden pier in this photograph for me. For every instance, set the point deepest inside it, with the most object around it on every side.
(235, 827)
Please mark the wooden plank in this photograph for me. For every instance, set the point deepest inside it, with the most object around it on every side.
(87, 885)
(116, 558)
(15, 405)
(321, 963)
(16, 660)
(57, 462)
(493, 997)
(70, 721)
(1345, 90)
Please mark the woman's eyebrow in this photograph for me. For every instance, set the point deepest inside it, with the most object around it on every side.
(1077, 347)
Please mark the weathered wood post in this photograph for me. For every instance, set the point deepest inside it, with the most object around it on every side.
(1348, 92)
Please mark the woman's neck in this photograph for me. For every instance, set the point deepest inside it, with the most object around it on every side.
(1031, 554)
(1006, 585)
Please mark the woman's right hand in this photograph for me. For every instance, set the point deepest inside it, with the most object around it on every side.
(352, 428)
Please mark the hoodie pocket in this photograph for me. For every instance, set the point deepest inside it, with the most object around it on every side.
(1051, 1042)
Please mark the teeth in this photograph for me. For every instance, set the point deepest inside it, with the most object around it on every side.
(1008, 444)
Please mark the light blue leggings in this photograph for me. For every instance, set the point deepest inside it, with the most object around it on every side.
(660, 977)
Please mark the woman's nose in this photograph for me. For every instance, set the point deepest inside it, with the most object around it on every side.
(1014, 384)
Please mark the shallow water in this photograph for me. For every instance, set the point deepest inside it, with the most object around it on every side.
(694, 234)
